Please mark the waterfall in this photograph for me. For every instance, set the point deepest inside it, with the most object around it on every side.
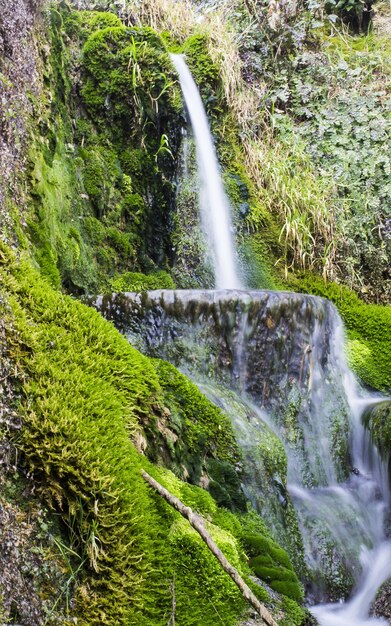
(273, 362)
(214, 204)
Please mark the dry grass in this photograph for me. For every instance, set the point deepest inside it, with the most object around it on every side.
(175, 16)
(181, 19)
(289, 186)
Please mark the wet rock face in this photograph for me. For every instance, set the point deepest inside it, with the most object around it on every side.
(382, 604)
(280, 349)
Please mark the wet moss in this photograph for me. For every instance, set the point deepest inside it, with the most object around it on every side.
(206, 73)
(81, 24)
(85, 391)
(225, 485)
(197, 429)
(129, 82)
(133, 281)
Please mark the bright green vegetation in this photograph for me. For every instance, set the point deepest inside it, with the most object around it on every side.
(368, 330)
(271, 563)
(337, 113)
(134, 281)
(193, 428)
(86, 395)
(206, 73)
(102, 189)
(101, 175)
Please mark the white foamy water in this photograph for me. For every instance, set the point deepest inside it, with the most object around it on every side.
(215, 208)
(377, 569)
(367, 495)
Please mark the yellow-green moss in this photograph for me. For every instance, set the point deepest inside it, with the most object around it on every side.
(134, 281)
(194, 431)
(95, 158)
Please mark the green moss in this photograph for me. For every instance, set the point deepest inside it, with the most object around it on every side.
(84, 392)
(273, 455)
(294, 615)
(192, 431)
(368, 329)
(222, 602)
(47, 262)
(378, 421)
(225, 485)
(133, 281)
(272, 564)
(81, 24)
(205, 72)
(97, 160)
(129, 80)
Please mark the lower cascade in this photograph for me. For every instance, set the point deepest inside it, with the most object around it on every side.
(274, 362)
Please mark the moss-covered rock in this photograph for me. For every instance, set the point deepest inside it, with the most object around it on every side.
(133, 281)
(193, 431)
(85, 393)
(102, 150)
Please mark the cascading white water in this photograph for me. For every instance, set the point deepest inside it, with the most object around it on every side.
(369, 492)
(215, 208)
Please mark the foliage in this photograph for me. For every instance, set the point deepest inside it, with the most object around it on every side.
(291, 187)
(99, 198)
(195, 430)
(338, 99)
(84, 391)
(205, 72)
(129, 79)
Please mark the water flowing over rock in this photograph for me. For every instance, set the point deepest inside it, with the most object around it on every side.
(274, 362)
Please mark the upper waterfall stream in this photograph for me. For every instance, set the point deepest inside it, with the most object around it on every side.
(214, 204)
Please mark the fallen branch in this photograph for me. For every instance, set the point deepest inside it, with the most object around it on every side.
(198, 524)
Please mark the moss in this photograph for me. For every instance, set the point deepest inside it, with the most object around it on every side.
(99, 163)
(368, 330)
(221, 599)
(133, 281)
(225, 485)
(129, 80)
(47, 262)
(273, 455)
(81, 24)
(294, 614)
(84, 391)
(206, 73)
(84, 394)
(272, 564)
(193, 430)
